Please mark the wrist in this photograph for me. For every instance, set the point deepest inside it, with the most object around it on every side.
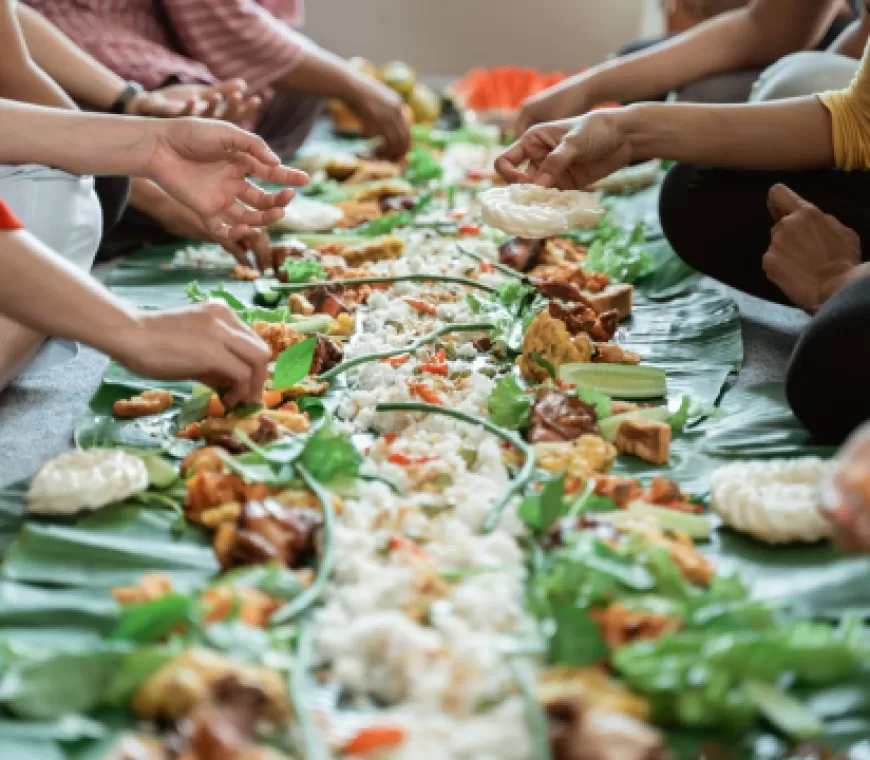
(122, 339)
(837, 276)
(633, 127)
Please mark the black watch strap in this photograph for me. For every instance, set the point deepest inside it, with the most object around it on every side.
(130, 91)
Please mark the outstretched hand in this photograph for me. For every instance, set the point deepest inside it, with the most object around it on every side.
(227, 101)
(205, 166)
(570, 154)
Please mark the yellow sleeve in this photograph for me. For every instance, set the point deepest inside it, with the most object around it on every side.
(850, 118)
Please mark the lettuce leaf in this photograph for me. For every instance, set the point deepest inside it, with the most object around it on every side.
(509, 405)
(622, 258)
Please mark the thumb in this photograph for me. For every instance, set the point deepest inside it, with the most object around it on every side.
(782, 201)
(555, 165)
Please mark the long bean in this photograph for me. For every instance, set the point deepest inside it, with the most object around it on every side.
(539, 724)
(409, 349)
(520, 481)
(327, 558)
(293, 287)
(313, 745)
(503, 268)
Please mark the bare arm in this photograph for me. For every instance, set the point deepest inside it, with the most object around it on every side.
(20, 78)
(80, 75)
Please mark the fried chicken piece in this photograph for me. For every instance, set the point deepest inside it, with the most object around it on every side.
(663, 491)
(143, 405)
(278, 335)
(225, 514)
(371, 171)
(612, 353)
(150, 587)
(597, 282)
(244, 273)
(213, 489)
(560, 290)
(382, 188)
(327, 299)
(263, 427)
(357, 213)
(549, 339)
(645, 439)
(552, 273)
(291, 530)
(618, 298)
(559, 250)
(327, 354)
(520, 253)
(620, 626)
(187, 682)
(591, 686)
(206, 459)
(622, 491)
(579, 318)
(341, 167)
(556, 416)
(306, 387)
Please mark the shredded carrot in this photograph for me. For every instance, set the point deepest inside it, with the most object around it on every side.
(457, 215)
(426, 308)
(426, 393)
(390, 437)
(438, 365)
(215, 407)
(396, 361)
(486, 267)
(375, 739)
(469, 229)
(271, 399)
(399, 542)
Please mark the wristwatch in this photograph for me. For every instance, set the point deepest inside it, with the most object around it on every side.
(130, 91)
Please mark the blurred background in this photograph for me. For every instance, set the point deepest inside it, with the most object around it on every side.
(448, 37)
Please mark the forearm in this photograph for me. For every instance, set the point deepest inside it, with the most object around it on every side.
(788, 134)
(76, 142)
(81, 309)
(29, 84)
(319, 72)
(82, 77)
(755, 36)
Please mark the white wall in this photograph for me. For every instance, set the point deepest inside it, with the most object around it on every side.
(447, 37)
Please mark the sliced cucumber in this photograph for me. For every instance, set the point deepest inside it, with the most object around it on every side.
(696, 527)
(161, 474)
(609, 425)
(317, 323)
(265, 294)
(790, 716)
(627, 381)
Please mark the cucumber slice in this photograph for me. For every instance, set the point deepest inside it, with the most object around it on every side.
(696, 527)
(788, 715)
(265, 294)
(627, 381)
(317, 323)
(161, 474)
(609, 425)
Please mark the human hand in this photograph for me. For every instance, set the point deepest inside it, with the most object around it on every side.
(227, 101)
(846, 494)
(207, 343)
(569, 154)
(561, 101)
(382, 113)
(204, 165)
(811, 254)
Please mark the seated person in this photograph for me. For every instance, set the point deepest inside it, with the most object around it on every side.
(734, 86)
(753, 37)
(201, 164)
(791, 225)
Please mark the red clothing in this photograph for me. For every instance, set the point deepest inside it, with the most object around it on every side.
(8, 221)
(204, 41)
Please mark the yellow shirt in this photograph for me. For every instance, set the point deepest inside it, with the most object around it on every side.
(850, 117)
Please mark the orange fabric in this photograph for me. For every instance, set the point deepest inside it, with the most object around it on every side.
(8, 221)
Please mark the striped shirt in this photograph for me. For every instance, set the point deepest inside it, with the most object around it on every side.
(204, 41)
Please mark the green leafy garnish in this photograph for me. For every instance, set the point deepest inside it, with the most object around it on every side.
(542, 362)
(623, 259)
(304, 270)
(330, 453)
(509, 405)
(193, 410)
(248, 314)
(422, 166)
(601, 401)
(690, 410)
(511, 309)
(543, 509)
(294, 364)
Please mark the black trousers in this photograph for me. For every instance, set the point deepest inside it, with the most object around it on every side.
(717, 221)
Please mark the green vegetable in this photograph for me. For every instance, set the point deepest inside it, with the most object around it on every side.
(329, 454)
(690, 410)
(576, 640)
(511, 310)
(509, 405)
(541, 510)
(148, 622)
(545, 364)
(539, 724)
(697, 527)
(523, 476)
(220, 293)
(302, 686)
(294, 364)
(601, 401)
(628, 381)
(409, 349)
(161, 474)
(623, 259)
(609, 426)
(784, 711)
(303, 270)
(422, 166)
(265, 291)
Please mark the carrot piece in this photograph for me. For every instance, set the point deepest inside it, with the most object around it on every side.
(486, 267)
(374, 739)
(390, 437)
(215, 407)
(396, 361)
(271, 399)
(426, 393)
(403, 460)
(422, 306)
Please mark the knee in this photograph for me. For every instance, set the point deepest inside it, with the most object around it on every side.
(802, 74)
(677, 211)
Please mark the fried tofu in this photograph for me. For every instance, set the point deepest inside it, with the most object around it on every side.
(384, 248)
(617, 298)
(613, 353)
(645, 439)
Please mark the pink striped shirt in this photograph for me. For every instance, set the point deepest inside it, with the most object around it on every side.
(205, 41)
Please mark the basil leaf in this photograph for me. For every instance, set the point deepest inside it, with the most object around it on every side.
(294, 364)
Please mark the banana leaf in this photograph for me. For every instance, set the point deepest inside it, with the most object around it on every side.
(11, 513)
(114, 547)
(27, 606)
